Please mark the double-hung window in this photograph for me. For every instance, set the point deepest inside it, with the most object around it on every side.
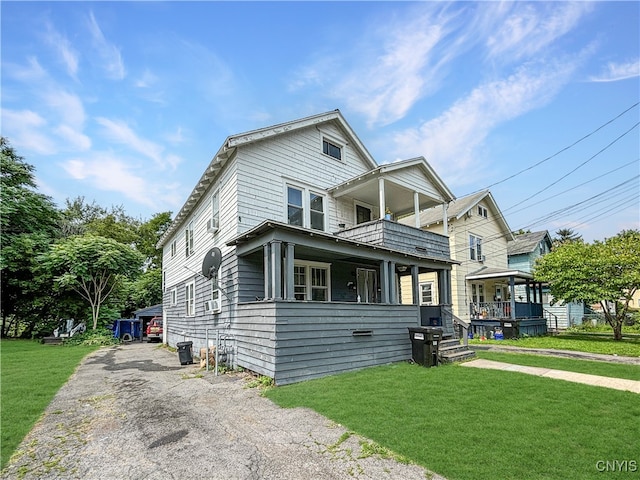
(475, 248)
(188, 239)
(190, 299)
(426, 293)
(305, 208)
(214, 305)
(174, 248)
(174, 296)
(215, 212)
(311, 281)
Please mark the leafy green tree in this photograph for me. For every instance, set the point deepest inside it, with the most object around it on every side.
(149, 234)
(606, 272)
(80, 217)
(28, 224)
(91, 266)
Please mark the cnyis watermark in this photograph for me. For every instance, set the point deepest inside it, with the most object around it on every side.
(617, 466)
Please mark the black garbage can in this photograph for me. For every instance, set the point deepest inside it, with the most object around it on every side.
(184, 352)
(424, 345)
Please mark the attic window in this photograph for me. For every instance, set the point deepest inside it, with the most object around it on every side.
(482, 211)
(331, 149)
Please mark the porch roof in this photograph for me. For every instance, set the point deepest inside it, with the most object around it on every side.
(332, 245)
(487, 273)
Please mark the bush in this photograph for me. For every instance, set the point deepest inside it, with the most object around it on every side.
(99, 336)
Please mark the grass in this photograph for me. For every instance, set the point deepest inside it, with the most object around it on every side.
(30, 376)
(583, 342)
(616, 370)
(467, 423)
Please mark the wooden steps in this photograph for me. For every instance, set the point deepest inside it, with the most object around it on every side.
(451, 350)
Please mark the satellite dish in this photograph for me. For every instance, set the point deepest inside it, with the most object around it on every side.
(211, 262)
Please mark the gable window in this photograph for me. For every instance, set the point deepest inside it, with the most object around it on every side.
(305, 208)
(174, 248)
(190, 299)
(482, 211)
(331, 149)
(475, 248)
(311, 281)
(426, 293)
(188, 239)
(215, 212)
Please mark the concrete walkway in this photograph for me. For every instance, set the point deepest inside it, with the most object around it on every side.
(596, 380)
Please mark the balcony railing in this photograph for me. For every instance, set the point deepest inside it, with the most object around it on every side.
(502, 310)
(400, 237)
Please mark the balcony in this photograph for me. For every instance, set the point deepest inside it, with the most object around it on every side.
(403, 238)
(502, 310)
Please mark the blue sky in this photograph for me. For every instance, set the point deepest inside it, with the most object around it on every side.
(125, 103)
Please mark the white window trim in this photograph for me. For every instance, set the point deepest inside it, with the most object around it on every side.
(483, 211)
(174, 248)
(306, 204)
(475, 248)
(308, 266)
(190, 312)
(340, 143)
(215, 214)
(189, 247)
(173, 297)
(214, 282)
(432, 293)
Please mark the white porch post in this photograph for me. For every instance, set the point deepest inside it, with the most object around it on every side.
(445, 219)
(276, 269)
(383, 205)
(512, 289)
(416, 208)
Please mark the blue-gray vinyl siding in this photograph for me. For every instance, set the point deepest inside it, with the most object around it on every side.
(295, 341)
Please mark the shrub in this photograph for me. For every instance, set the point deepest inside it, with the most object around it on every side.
(100, 336)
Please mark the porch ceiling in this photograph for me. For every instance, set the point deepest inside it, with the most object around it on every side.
(497, 274)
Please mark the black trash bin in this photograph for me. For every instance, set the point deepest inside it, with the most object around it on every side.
(184, 352)
(424, 345)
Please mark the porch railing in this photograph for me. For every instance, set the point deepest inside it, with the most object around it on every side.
(500, 310)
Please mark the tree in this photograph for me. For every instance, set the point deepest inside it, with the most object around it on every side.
(149, 234)
(566, 235)
(28, 225)
(606, 272)
(92, 266)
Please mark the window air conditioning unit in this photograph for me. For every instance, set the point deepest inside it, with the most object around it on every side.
(211, 305)
(212, 225)
(482, 258)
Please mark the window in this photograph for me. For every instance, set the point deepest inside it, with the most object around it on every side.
(188, 239)
(174, 296)
(174, 248)
(190, 299)
(316, 206)
(331, 149)
(294, 205)
(305, 208)
(367, 285)
(482, 211)
(214, 305)
(363, 214)
(311, 281)
(477, 293)
(426, 293)
(475, 248)
(215, 212)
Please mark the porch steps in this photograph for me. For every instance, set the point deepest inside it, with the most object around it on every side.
(451, 350)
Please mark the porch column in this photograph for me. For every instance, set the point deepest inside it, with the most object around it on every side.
(415, 284)
(540, 286)
(288, 269)
(444, 287)
(416, 208)
(383, 205)
(276, 269)
(445, 219)
(535, 293)
(384, 281)
(393, 297)
(512, 289)
(267, 270)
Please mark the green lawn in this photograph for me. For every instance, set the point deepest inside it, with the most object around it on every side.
(616, 370)
(583, 342)
(468, 423)
(30, 376)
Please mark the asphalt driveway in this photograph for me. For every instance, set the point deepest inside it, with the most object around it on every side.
(133, 412)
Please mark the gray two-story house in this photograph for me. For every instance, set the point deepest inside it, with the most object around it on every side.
(311, 257)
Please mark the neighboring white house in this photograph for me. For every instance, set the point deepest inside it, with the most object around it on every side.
(309, 279)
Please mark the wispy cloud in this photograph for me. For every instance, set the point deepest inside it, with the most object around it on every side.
(25, 129)
(73, 138)
(452, 141)
(63, 47)
(108, 53)
(106, 172)
(614, 72)
(120, 132)
(67, 106)
(519, 30)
